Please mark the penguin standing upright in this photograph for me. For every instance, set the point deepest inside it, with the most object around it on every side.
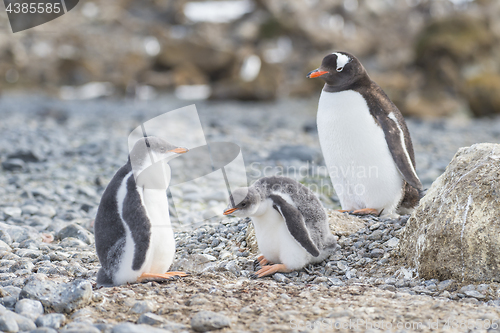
(133, 235)
(290, 223)
(365, 141)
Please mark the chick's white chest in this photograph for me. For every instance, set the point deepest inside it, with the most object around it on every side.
(275, 241)
(161, 249)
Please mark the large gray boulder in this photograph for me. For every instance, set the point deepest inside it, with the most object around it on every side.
(455, 231)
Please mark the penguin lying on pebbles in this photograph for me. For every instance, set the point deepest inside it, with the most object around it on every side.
(365, 141)
(133, 235)
(290, 224)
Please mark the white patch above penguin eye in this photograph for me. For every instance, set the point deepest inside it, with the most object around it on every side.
(342, 60)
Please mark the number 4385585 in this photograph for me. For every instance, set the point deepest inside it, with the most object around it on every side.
(34, 8)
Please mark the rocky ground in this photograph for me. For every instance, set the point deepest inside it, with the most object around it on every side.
(57, 157)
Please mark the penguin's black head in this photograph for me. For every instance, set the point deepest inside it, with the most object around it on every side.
(243, 202)
(151, 149)
(339, 69)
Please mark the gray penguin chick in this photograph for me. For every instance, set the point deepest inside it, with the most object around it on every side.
(291, 225)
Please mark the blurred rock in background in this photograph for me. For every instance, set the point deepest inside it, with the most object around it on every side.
(432, 57)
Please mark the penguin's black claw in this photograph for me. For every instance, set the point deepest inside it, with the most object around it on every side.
(253, 276)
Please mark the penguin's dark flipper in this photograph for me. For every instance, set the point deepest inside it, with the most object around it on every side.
(269, 270)
(399, 142)
(164, 276)
(295, 224)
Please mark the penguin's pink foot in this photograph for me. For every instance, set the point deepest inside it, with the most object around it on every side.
(365, 211)
(164, 276)
(269, 270)
(263, 261)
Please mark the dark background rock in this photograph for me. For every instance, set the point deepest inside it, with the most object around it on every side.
(432, 65)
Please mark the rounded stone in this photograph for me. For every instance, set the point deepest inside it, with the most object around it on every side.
(453, 233)
(29, 308)
(208, 321)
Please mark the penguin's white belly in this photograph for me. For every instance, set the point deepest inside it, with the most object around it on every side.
(275, 241)
(161, 249)
(361, 167)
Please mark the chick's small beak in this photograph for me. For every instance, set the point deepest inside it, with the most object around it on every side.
(230, 210)
(180, 150)
(316, 73)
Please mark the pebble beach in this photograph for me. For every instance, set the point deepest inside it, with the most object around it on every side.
(58, 156)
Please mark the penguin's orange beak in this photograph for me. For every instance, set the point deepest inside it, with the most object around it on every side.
(230, 210)
(180, 150)
(316, 73)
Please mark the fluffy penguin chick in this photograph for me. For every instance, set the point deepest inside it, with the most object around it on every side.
(133, 236)
(290, 223)
(365, 141)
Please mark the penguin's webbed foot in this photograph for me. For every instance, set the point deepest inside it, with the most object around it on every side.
(365, 211)
(269, 270)
(262, 261)
(164, 276)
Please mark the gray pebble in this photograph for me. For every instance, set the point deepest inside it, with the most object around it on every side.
(4, 246)
(77, 327)
(25, 155)
(24, 323)
(445, 285)
(52, 320)
(8, 302)
(377, 253)
(280, 277)
(469, 287)
(143, 307)
(8, 324)
(10, 291)
(483, 288)
(22, 264)
(75, 231)
(376, 235)
(47, 211)
(29, 308)
(336, 281)
(64, 297)
(29, 209)
(5, 237)
(133, 328)
(392, 242)
(43, 330)
(151, 319)
(13, 164)
(14, 212)
(475, 294)
(208, 321)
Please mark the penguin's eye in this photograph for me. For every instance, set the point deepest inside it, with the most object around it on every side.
(243, 204)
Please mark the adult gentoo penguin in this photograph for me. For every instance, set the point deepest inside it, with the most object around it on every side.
(365, 141)
(290, 223)
(133, 235)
